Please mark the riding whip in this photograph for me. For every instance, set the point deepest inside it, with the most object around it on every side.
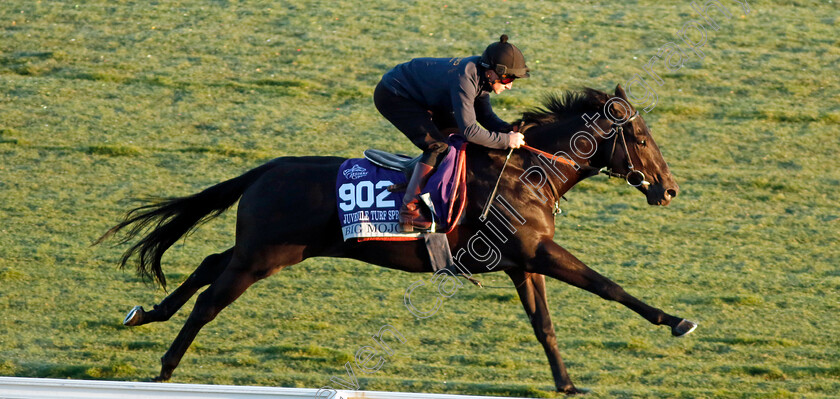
(496, 187)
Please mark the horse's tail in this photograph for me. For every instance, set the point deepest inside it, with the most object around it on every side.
(172, 218)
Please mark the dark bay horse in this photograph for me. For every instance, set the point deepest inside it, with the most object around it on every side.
(287, 213)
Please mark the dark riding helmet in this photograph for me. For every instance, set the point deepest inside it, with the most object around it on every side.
(505, 59)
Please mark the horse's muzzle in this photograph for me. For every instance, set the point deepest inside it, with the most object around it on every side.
(659, 194)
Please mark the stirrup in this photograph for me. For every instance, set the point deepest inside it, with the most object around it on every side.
(411, 218)
(427, 200)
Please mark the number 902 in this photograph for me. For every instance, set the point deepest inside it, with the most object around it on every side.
(364, 195)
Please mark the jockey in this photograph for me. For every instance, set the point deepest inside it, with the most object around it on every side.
(426, 96)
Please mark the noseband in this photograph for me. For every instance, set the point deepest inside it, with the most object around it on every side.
(634, 177)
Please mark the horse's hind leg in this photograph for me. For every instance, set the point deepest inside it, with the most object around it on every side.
(237, 277)
(207, 272)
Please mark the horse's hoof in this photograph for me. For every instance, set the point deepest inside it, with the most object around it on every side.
(574, 391)
(134, 316)
(160, 379)
(683, 328)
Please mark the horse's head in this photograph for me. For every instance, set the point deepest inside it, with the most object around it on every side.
(620, 143)
(633, 154)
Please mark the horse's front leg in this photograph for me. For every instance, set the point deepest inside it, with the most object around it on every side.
(554, 261)
(531, 289)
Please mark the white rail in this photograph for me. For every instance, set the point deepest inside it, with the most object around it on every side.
(43, 388)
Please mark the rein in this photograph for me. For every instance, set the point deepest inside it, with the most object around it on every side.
(633, 177)
(549, 156)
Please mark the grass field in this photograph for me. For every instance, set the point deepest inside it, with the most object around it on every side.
(102, 101)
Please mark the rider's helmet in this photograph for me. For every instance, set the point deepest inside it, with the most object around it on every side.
(505, 59)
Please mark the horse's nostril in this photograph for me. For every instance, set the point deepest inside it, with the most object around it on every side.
(672, 192)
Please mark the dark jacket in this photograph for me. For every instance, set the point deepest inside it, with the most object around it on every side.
(453, 84)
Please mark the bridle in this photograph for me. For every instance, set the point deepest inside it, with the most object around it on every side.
(633, 177)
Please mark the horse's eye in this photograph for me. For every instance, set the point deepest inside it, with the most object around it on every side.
(642, 142)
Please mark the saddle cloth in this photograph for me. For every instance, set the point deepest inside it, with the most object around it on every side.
(367, 210)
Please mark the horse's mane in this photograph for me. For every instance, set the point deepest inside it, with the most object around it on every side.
(557, 106)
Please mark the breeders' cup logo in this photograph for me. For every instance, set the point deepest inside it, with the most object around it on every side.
(355, 172)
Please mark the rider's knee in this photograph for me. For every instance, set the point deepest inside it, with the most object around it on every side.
(434, 153)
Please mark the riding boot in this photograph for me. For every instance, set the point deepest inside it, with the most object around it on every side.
(410, 217)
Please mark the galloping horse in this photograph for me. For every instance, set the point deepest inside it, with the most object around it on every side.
(287, 213)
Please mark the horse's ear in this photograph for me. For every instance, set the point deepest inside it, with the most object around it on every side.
(619, 92)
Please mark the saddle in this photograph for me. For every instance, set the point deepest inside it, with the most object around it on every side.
(392, 161)
(370, 190)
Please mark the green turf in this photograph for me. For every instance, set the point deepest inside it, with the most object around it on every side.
(102, 101)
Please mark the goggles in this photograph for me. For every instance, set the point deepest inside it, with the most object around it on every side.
(506, 79)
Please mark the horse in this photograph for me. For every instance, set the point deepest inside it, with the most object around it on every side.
(287, 213)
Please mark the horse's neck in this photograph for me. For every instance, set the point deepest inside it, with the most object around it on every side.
(567, 166)
(556, 138)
